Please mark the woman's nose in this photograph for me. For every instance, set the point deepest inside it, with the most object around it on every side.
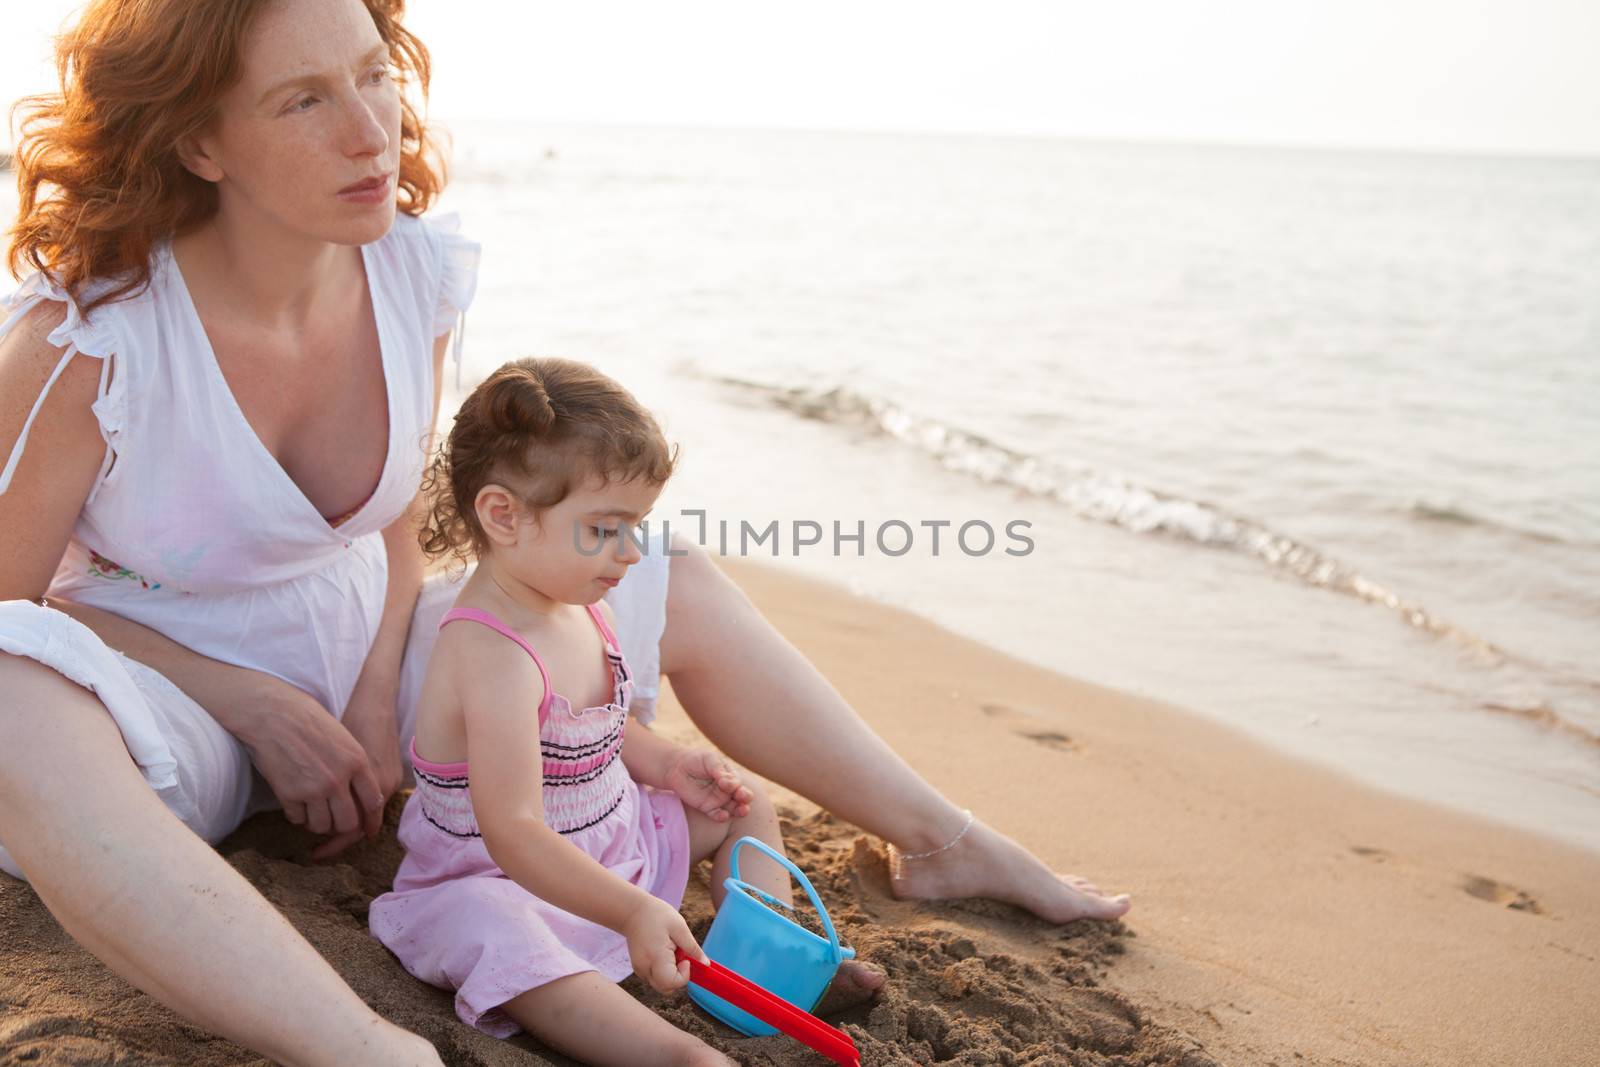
(366, 135)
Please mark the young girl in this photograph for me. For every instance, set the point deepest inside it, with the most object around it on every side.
(557, 869)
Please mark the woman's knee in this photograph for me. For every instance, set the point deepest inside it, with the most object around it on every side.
(45, 720)
(38, 698)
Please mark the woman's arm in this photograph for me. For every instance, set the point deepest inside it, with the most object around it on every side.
(309, 759)
(372, 715)
(380, 673)
(237, 697)
(52, 480)
(48, 489)
(61, 460)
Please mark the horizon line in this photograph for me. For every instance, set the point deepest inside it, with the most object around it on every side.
(1131, 141)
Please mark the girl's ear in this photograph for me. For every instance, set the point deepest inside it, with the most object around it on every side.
(497, 512)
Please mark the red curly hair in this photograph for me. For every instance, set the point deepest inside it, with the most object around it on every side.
(97, 164)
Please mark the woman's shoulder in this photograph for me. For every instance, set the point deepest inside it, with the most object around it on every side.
(435, 232)
(441, 261)
(86, 317)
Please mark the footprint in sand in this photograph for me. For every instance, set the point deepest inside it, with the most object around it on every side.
(1052, 739)
(1500, 893)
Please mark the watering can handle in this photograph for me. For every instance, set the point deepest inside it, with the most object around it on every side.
(799, 875)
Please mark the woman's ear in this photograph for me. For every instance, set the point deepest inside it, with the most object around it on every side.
(497, 512)
(196, 153)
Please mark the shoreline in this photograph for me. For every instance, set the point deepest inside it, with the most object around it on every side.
(1347, 686)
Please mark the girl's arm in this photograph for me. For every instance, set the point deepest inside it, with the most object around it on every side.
(701, 777)
(500, 690)
(647, 755)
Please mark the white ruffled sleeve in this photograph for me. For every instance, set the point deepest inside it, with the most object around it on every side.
(458, 280)
(77, 335)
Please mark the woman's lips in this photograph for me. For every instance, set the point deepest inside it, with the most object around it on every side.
(370, 191)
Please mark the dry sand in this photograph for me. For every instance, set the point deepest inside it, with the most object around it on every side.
(1283, 914)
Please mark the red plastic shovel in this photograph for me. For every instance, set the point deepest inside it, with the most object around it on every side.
(773, 1010)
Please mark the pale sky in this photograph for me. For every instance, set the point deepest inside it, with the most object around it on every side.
(1497, 76)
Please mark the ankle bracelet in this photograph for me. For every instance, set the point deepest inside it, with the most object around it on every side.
(944, 848)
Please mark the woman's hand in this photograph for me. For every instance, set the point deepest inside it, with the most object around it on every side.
(655, 931)
(317, 769)
(708, 783)
(371, 719)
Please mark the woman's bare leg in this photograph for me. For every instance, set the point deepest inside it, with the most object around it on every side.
(593, 1020)
(718, 650)
(137, 888)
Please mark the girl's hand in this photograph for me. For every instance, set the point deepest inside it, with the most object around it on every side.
(706, 782)
(317, 769)
(655, 931)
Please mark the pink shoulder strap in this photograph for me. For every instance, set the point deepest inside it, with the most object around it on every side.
(479, 615)
(605, 630)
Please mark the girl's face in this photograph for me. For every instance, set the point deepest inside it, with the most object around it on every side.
(575, 551)
(315, 113)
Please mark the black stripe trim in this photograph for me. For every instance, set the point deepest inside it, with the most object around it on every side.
(440, 783)
(466, 836)
(587, 776)
(620, 797)
(588, 748)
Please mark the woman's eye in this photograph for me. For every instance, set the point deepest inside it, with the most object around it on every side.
(602, 532)
(377, 75)
(300, 105)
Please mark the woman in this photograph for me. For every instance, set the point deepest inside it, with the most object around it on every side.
(213, 403)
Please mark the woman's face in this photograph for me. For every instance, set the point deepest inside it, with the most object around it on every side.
(315, 113)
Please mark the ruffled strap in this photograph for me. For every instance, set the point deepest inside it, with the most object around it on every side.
(76, 335)
(458, 280)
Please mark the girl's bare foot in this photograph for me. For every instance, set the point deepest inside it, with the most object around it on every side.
(987, 863)
(854, 983)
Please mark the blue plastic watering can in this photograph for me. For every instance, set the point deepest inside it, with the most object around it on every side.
(769, 949)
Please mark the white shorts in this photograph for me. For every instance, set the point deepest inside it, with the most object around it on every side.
(201, 772)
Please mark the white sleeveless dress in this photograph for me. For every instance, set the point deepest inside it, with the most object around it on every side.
(194, 529)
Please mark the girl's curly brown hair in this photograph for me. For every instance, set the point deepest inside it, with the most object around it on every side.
(539, 427)
(97, 163)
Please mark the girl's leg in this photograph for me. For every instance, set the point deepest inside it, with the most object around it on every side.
(719, 651)
(593, 1020)
(138, 889)
(710, 838)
